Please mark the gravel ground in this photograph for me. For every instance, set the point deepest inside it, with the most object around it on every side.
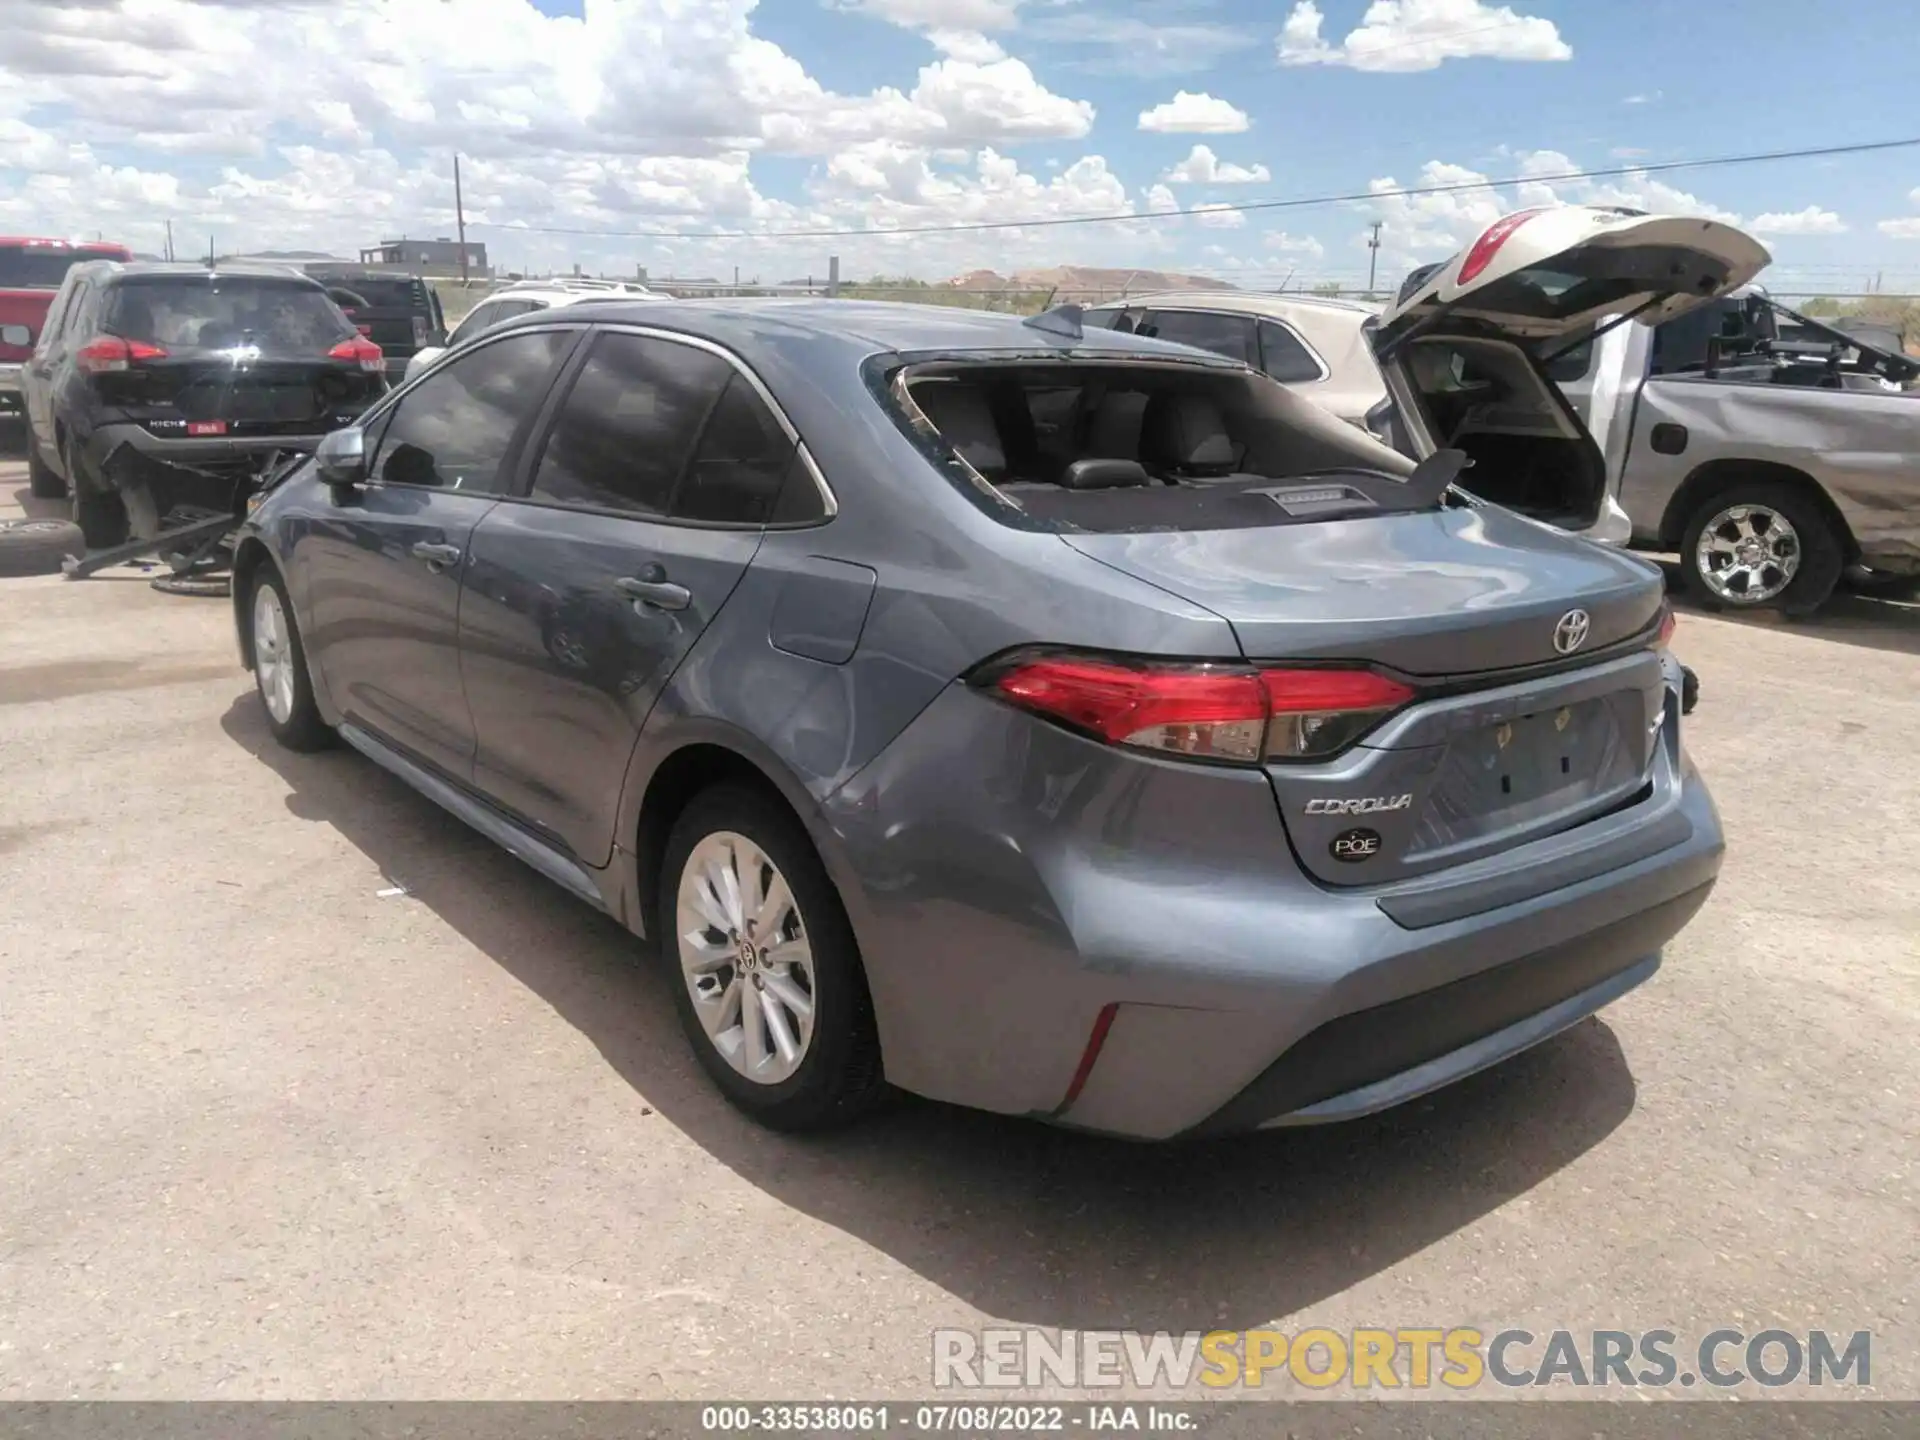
(273, 1130)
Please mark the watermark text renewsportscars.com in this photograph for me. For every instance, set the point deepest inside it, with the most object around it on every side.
(1417, 1358)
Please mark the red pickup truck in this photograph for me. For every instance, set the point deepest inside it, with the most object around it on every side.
(30, 271)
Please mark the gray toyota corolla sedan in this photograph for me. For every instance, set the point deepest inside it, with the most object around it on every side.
(1064, 723)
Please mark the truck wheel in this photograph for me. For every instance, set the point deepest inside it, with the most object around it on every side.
(1759, 545)
(40, 477)
(98, 512)
(36, 547)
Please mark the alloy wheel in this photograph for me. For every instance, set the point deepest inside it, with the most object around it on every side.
(1748, 554)
(272, 654)
(745, 957)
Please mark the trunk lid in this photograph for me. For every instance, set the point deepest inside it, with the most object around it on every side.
(1540, 275)
(1510, 737)
(238, 393)
(1460, 590)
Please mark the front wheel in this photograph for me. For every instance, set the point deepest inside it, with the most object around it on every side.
(1761, 545)
(770, 988)
(280, 667)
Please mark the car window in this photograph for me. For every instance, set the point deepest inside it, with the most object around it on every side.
(628, 425)
(50, 332)
(480, 319)
(1228, 335)
(283, 317)
(1571, 365)
(743, 457)
(1285, 356)
(455, 429)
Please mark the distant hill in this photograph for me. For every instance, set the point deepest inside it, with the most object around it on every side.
(1072, 280)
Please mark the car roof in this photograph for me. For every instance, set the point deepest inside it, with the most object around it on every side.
(1240, 302)
(186, 270)
(745, 325)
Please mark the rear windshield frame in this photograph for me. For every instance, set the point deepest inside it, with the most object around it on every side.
(888, 379)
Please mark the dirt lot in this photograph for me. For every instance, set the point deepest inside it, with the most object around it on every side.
(271, 1130)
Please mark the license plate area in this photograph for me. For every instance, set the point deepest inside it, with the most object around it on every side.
(1533, 769)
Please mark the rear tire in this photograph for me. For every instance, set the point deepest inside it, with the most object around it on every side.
(40, 477)
(101, 516)
(1761, 545)
(280, 675)
(804, 959)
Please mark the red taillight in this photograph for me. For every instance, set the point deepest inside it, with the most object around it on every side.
(110, 352)
(1213, 712)
(364, 329)
(362, 350)
(1319, 712)
(1480, 254)
(1668, 623)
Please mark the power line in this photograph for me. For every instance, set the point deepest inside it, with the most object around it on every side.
(1659, 167)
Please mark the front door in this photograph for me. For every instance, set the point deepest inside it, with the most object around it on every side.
(646, 503)
(383, 567)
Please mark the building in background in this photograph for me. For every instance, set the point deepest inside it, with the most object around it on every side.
(429, 257)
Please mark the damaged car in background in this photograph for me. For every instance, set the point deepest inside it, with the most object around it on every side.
(161, 388)
(1608, 382)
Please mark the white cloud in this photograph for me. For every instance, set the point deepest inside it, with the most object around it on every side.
(1294, 244)
(1810, 221)
(1161, 200)
(1129, 45)
(1903, 229)
(968, 45)
(1194, 113)
(1646, 97)
(1404, 35)
(1627, 152)
(1217, 216)
(941, 14)
(1203, 167)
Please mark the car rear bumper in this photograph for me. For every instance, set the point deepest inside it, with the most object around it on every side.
(219, 450)
(1078, 892)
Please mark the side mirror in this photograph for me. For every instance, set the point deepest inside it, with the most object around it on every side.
(341, 459)
(16, 335)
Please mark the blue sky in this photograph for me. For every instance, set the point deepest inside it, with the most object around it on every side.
(287, 122)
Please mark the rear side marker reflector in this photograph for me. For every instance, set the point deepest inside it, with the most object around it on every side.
(1096, 1039)
(1209, 712)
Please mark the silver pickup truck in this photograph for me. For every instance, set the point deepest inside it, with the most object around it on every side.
(1772, 451)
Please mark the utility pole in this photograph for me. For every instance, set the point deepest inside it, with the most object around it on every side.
(833, 277)
(169, 239)
(460, 216)
(1373, 258)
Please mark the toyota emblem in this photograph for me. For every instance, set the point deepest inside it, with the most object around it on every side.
(1571, 633)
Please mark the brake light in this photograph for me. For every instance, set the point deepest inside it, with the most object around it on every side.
(360, 349)
(105, 353)
(1211, 712)
(1480, 254)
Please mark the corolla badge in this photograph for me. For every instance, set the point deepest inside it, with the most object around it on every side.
(1366, 805)
(1571, 633)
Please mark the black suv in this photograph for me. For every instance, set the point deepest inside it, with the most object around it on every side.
(155, 385)
(398, 312)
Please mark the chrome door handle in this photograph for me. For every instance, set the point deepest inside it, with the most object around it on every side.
(438, 557)
(660, 592)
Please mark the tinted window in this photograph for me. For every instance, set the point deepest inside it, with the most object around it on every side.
(1228, 335)
(1570, 365)
(454, 429)
(283, 317)
(743, 456)
(35, 267)
(1284, 356)
(629, 424)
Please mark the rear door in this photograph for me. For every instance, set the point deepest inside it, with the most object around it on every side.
(382, 572)
(646, 499)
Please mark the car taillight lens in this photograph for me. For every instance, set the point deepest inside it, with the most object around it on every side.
(360, 349)
(1319, 712)
(1480, 254)
(1210, 712)
(109, 352)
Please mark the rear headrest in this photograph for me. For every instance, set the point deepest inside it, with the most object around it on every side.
(1186, 432)
(1113, 432)
(965, 421)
